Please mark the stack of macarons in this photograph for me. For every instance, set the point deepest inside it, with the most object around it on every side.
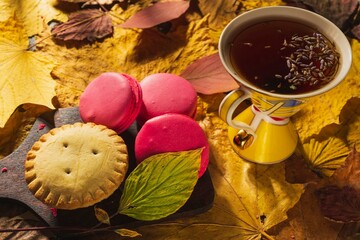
(163, 104)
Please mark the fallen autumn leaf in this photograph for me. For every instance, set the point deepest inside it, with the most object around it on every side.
(87, 24)
(209, 76)
(155, 14)
(25, 76)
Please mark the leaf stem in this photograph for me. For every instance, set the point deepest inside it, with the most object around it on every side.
(263, 233)
(37, 42)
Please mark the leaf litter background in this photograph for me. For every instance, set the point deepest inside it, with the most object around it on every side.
(252, 201)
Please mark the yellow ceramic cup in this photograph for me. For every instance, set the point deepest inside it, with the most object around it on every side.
(263, 133)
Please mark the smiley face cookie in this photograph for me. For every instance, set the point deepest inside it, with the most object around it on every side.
(76, 166)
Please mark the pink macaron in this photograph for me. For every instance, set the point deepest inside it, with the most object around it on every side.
(113, 100)
(171, 133)
(166, 93)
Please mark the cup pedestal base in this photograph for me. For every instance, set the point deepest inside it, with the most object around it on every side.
(273, 143)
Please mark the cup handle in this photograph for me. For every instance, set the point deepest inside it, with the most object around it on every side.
(229, 105)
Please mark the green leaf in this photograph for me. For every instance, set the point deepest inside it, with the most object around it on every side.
(102, 216)
(127, 232)
(160, 185)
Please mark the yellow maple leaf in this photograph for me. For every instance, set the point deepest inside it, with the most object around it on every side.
(33, 14)
(25, 75)
(259, 194)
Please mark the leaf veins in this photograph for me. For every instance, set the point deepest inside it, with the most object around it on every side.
(87, 24)
(209, 76)
(155, 14)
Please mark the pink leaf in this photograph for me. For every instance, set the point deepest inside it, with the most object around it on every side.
(155, 14)
(209, 76)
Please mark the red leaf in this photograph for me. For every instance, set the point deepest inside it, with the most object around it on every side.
(349, 173)
(340, 201)
(86, 24)
(155, 14)
(209, 76)
(339, 204)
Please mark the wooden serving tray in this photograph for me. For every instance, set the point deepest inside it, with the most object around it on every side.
(13, 184)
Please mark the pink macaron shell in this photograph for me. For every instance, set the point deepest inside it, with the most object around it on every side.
(171, 133)
(112, 99)
(166, 93)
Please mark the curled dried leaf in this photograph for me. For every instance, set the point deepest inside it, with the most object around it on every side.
(127, 232)
(87, 24)
(101, 215)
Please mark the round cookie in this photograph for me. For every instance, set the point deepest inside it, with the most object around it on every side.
(171, 133)
(166, 93)
(76, 166)
(113, 100)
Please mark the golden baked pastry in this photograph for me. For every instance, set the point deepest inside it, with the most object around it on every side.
(76, 165)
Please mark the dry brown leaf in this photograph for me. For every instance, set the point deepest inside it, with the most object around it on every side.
(306, 220)
(127, 233)
(339, 199)
(101, 215)
(340, 204)
(135, 53)
(90, 24)
(349, 173)
(16, 215)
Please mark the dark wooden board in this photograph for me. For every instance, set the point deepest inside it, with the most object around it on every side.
(13, 185)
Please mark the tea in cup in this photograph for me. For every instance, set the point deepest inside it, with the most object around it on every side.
(280, 56)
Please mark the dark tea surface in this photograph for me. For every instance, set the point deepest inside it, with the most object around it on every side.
(284, 57)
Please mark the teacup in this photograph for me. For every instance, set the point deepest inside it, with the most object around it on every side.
(263, 133)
